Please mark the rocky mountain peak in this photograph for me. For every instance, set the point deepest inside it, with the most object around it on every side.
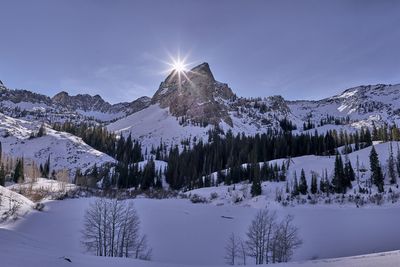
(2, 86)
(203, 70)
(60, 97)
(195, 95)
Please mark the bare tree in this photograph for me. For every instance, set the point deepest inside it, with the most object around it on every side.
(242, 251)
(269, 241)
(232, 249)
(259, 236)
(286, 239)
(111, 229)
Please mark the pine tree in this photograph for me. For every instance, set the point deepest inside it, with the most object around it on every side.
(256, 187)
(303, 188)
(148, 175)
(391, 166)
(45, 169)
(338, 180)
(376, 170)
(349, 174)
(2, 175)
(314, 185)
(18, 176)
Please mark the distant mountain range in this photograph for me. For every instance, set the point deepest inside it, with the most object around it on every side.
(186, 106)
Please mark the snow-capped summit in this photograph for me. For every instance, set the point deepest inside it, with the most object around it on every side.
(195, 95)
(82, 107)
(361, 105)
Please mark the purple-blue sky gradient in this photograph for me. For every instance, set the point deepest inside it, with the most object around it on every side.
(298, 49)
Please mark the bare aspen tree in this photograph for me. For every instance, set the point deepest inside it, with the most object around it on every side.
(286, 240)
(141, 250)
(270, 241)
(232, 249)
(242, 251)
(259, 236)
(111, 229)
(63, 177)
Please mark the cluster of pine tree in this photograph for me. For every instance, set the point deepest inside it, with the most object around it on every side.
(17, 174)
(131, 175)
(343, 175)
(230, 151)
(96, 136)
(191, 163)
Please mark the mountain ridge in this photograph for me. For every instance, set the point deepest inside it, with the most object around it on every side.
(194, 98)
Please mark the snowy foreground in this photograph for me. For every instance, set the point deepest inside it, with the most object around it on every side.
(186, 234)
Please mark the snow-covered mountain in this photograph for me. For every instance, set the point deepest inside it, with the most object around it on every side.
(20, 138)
(362, 105)
(188, 104)
(96, 107)
(82, 107)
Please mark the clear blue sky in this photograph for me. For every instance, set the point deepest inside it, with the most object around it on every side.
(298, 49)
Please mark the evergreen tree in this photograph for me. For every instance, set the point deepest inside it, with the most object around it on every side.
(314, 185)
(391, 166)
(303, 188)
(148, 175)
(2, 176)
(256, 187)
(349, 174)
(376, 170)
(339, 181)
(45, 169)
(18, 176)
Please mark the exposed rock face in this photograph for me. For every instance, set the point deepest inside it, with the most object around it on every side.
(195, 95)
(83, 102)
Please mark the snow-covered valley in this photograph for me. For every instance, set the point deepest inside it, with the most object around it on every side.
(186, 234)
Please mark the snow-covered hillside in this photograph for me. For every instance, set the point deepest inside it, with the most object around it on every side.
(13, 205)
(153, 124)
(19, 139)
(239, 194)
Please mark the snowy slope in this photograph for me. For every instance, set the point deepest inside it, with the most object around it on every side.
(66, 151)
(13, 205)
(153, 124)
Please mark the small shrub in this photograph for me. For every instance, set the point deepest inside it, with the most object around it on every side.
(195, 198)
